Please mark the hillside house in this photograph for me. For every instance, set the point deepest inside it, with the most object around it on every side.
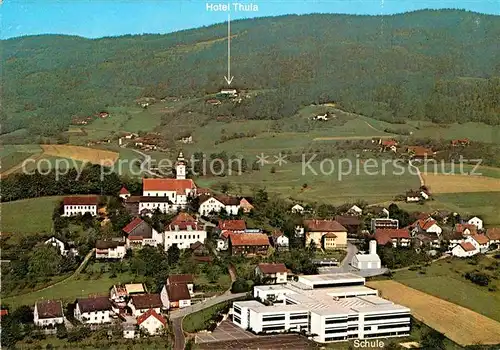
(215, 204)
(151, 322)
(246, 205)
(139, 234)
(389, 145)
(48, 313)
(274, 273)
(420, 152)
(64, 248)
(430, 240)
(379, 212)
(397, 237)
(297, 209)
(460, 142)
(233, 226)
(95, 310)
(413, 196)
(175, 295)
(80, 205)
(110, 249)
(199, 249)
(248, 244)
(326, 234)
(280, 241)
(141, 303)
(476, 222)
(355, 210)
(322, 117)
(124, 193)
(183, 231)
(480, 242)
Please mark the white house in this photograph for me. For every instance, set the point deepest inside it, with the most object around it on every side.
(321, 117)
(82, 205)
(276, 273)
(355, 210)
(215, 204)
(152, 322)
(61, 246)
(493, 235)
(297, 209)
(280, 241)
(476, 222)
(367, 261)
(124, 193)
(93, 310)
(183, 231)
(129, 330)
(110, 249)
(175, 295)
(186, 279)
(464, 250)
(480, 242)
(48, 313)
(141, 303)
(428, 225)
(140, 233)
(412, 196)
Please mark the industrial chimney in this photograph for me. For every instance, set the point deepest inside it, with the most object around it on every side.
(373, 246)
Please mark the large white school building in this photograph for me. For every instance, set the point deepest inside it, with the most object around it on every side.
(329, 308)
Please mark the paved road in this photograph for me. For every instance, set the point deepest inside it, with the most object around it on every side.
(178, 315)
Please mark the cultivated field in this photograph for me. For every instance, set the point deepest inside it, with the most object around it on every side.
(82, 154)
(440, 183)
(461, 325)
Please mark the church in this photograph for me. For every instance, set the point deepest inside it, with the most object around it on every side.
(167, 195)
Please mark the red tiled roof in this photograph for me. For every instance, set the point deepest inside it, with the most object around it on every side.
(493, 233)
(4, 312)
(131, 225)
(177, 292)
(81, 200)
(182, 221)
(173, 185)
(146, 301)
(383, 236)
(232, 225)
(460, 228)
(467, 246)
(324, 226)
(277, 233)
(49, 309)
(420, 151)
(150, 313)
(94, 304)
(272, 268)
(389, 143)
(256, 239)
(425, 224)
(481, 239)
(124, 190)
(180, 278)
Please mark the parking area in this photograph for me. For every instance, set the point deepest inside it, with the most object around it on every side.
(274, 342)
(225, 332)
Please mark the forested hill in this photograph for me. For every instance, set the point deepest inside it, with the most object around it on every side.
(438, 65)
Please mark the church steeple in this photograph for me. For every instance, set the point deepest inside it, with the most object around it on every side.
(180, 167)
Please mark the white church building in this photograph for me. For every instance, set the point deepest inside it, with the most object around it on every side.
(367, 261)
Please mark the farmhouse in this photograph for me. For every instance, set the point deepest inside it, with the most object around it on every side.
(460, 142)
(76, 205)
(465, 229)
(141, 303)
(275, 273)
(331, 307)
(420, 152)
(175, 295)
(246, 205)
(233, 226)
(183, 231)
(493, 235)
(248, 244)
(428, 225)
(140, 233)
(110, 249)
(327, 234)
(380, 212)
(124, 193)
(397, 237)
(464, 250)
(152, 322)
(215, 204)
(186, 279)
(413, 196)
(367, 261)
(94, 310)
(48, 313)
(480, 242)
(355, 210)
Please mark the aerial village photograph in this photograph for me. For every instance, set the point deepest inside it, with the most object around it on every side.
(225, 175)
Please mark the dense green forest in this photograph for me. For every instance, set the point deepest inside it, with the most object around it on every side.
(442, 66)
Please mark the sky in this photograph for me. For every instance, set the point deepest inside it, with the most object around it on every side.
(98, 18)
